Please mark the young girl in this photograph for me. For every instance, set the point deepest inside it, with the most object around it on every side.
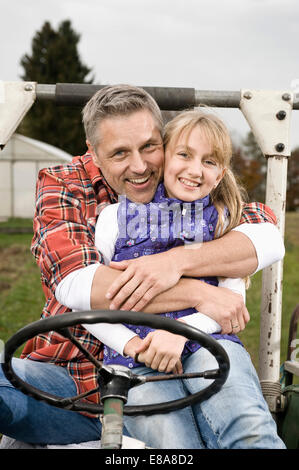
(198, 200)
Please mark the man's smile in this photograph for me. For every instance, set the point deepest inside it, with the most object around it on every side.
(139, 181)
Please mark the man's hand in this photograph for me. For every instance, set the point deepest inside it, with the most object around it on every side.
(226, 307)
(142, 280)
(162, 351)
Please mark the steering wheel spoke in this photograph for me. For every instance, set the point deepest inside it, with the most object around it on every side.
(207, 374)
(67, 334)
(71, 400)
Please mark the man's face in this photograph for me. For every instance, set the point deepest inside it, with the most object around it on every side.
(130, 155)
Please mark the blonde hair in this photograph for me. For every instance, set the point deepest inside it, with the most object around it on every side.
(229, 193)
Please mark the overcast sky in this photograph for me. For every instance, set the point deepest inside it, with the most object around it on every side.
(205, 44)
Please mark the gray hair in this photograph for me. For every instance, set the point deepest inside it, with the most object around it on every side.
(116, 100)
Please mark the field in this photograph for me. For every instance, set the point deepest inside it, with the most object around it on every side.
(21, 296)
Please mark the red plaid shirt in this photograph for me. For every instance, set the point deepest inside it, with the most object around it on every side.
(68, 199)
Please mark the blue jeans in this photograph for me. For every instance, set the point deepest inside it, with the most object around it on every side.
(26, 419)
(237, 417)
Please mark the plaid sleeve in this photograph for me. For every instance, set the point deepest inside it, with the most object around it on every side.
(256, 212)
(63, 228)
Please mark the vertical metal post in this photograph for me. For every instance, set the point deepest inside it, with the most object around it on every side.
(271, 305)
(268, 114)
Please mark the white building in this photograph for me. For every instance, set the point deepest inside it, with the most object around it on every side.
(20, 161)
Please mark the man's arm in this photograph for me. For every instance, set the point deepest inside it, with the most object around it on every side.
(221, 304)
(62, 241)
(174, 299)
(233, 255)
(239, 253)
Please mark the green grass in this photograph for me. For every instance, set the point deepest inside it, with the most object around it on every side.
(22, 299)
(21, 296)
(16, 222)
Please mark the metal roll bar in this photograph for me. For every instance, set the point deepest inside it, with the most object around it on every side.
(168, 98)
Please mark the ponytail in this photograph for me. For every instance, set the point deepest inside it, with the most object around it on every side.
(231, 195)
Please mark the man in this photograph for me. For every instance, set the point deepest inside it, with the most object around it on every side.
(123, 128)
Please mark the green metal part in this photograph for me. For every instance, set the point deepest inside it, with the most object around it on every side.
(113, 406)
(112, 423)
(288, 422)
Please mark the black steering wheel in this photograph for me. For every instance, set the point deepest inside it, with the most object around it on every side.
(106, 374)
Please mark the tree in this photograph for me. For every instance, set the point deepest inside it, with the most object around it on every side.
(55, 59)
(250, 166)
(247, 172)
(256, 165)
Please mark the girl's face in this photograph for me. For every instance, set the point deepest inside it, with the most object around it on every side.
(191, 171)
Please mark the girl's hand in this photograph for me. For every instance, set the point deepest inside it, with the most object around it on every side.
(162, 351)
(142, 279)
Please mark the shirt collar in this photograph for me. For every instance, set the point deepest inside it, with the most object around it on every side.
(95, 175)
(161, 195)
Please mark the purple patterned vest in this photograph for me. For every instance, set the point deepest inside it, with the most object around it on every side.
(162, 224)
